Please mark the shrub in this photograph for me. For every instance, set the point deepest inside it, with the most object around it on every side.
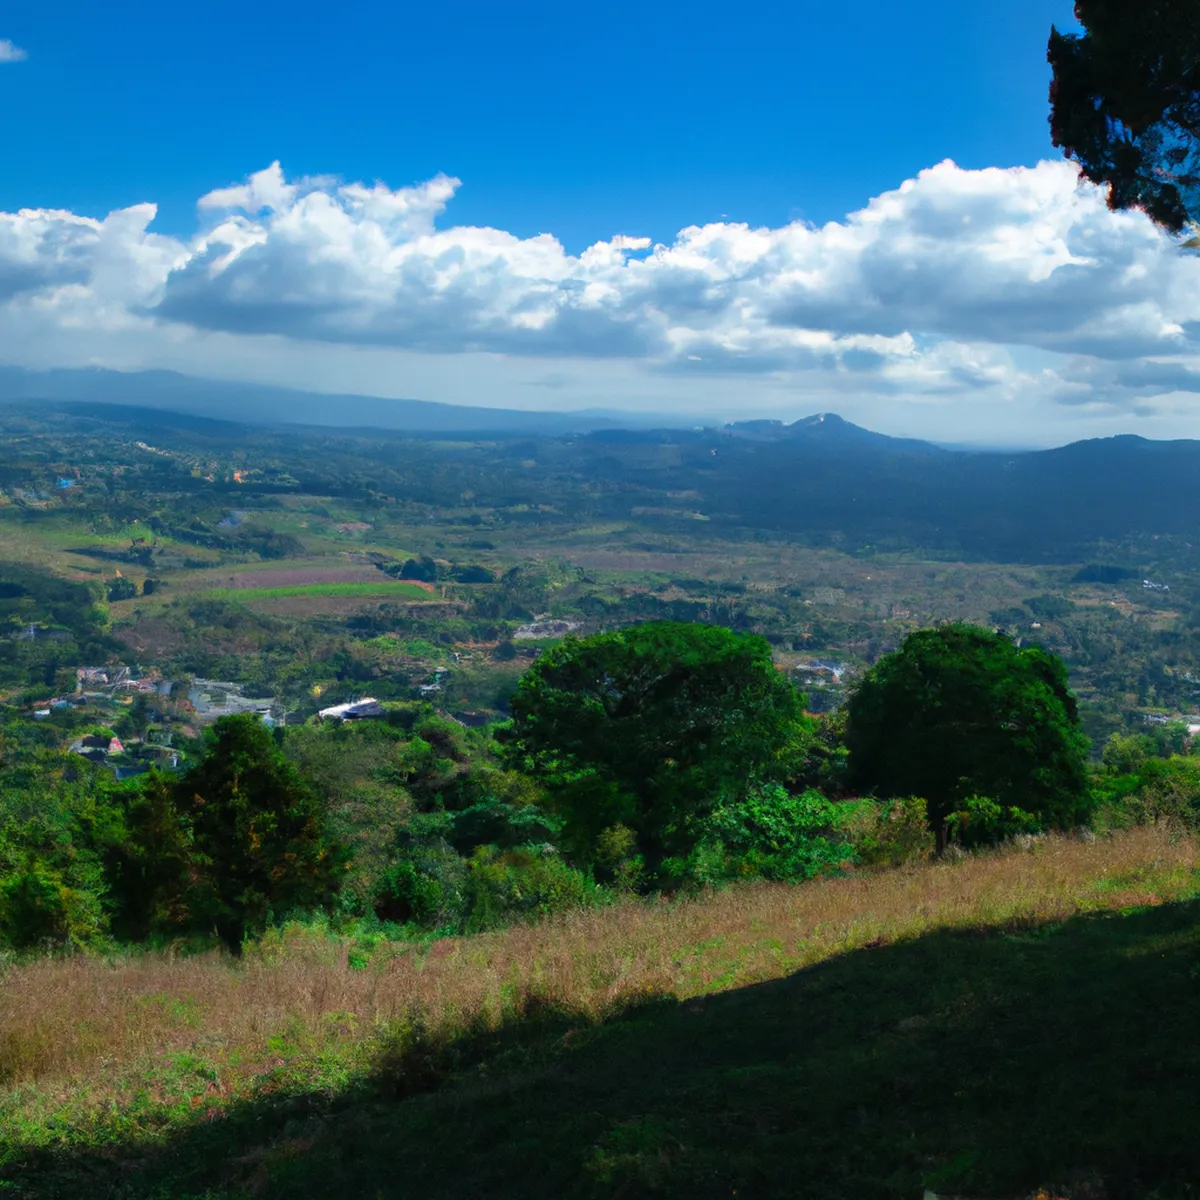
(1159, 791)
(770, 834)
(506, 886)
(982, 822)
(427, 887)
(888, 833)
(38, 909)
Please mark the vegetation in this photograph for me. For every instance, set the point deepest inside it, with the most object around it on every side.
(615, 762)
(1126, 104)
(977, 727)
(639, 734)
(896, 1056)
(238, 838)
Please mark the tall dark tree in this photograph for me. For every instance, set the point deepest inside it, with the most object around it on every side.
(240, 837)
(260, 839)
(648, 727)
(959, 711)
(1125, 102)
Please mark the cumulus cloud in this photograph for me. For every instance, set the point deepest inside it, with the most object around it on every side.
(1024, 256)
(955, 283)
(10, 53)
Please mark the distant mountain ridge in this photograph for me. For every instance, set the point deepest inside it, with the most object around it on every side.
(262, 404)
(827, 429)
(833, 482)
(821, 478)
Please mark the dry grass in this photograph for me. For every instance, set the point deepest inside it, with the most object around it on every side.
(80, 1035)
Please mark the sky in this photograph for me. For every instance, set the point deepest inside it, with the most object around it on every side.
(727, 211)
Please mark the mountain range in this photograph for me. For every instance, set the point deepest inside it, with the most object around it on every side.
(820, 478)
(261, 404)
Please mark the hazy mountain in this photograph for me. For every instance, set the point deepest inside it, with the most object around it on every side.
(821, 478)
(827, 479)
(259, 404)
(826, 430)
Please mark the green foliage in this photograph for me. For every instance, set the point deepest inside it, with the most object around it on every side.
(39, 909)
(432, 887)
(121, 588)
(888, 833)
(651, 727)
(958, 712)
(422, 569)
(767, 834)
(237, 839)
(503, 886)
(1150, 791)
(1049, 608)
(1125, 754)
(1125, 103)
(58, 824)
(980, 821)
(259, 833)
(425, 886)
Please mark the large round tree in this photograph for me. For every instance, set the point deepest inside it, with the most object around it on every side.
(650, 726)
(959, 711)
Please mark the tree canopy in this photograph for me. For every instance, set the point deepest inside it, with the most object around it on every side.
(959, 712)
(1125, 102)
(650, 726)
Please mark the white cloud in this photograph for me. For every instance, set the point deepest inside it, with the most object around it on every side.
(10, 53)
(1007, 257)
(1004, 287)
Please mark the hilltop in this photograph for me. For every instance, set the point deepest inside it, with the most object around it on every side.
(975, 1028)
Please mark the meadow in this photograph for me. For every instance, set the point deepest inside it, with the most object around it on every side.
(381, 591)
(1005, 1022)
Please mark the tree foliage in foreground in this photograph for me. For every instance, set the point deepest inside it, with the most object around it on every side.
(1125, 102)
(959, 714)
(650, 727)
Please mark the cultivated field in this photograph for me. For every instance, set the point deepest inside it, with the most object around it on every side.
(382, 589)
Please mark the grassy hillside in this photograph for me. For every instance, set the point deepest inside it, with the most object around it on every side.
(989, 1027)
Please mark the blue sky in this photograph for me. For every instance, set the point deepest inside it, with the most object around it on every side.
(579, 119)
(759, 210)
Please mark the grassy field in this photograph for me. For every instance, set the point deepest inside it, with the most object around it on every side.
(383, 591)
(990, 1027)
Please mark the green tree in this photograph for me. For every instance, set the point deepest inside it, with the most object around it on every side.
(650, 727)
(1125, 102)
(1125, 754)
(240, 837)
(960, 712)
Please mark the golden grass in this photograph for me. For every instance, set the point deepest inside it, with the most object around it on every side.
(152, 1029)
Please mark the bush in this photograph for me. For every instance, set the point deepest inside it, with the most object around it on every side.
(888, 833)
(38, 909)
(521, 884)
(982, 822)
(434, 888)
(121, 588)
(426, 887)
(771, 834)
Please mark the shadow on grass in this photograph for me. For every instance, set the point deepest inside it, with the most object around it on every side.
(1065, 1057)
